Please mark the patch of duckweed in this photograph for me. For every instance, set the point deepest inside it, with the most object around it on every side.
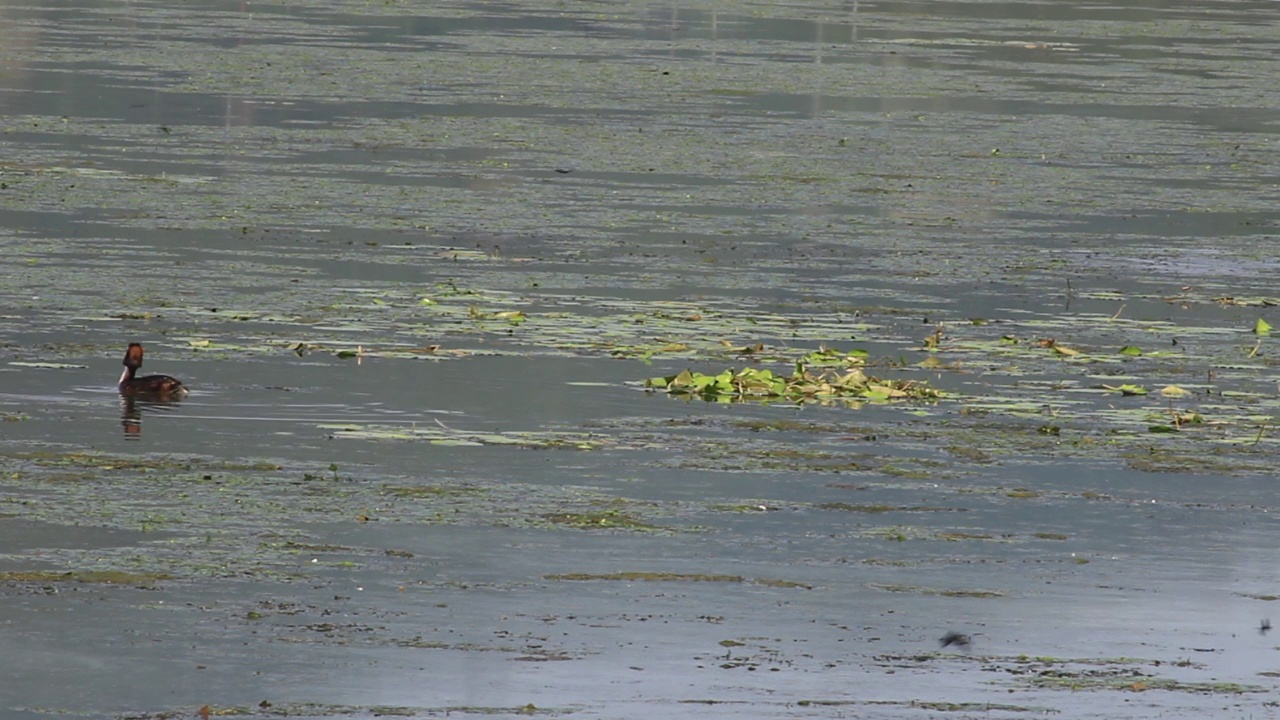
(742, 507)
(972, 454)
(1181, 452)
(431, 491)
(1106, 674)
(897, 534)
(1022, 494)
(909, 473)
(524, 654)
(882, 562)
(612, 519)
(969, 707)
(649, 577)
(976, 707)
(765, 456)
(92, 577)
(792, 426)
(918, 590)
(768, 582)
(1049, 660)
(321, 710)
(1168, 460)
(294, 546)
(678, 577)
(1120, 680)
(108, 462)
(877, 509)
(971, 593)
(957, 535)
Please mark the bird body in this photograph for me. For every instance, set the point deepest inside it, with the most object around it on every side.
(154, 386)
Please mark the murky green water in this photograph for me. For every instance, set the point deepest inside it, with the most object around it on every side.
(416, 263)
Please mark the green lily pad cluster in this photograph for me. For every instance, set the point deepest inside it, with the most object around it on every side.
(840, 377)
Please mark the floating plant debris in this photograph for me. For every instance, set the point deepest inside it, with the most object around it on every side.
(841, 378)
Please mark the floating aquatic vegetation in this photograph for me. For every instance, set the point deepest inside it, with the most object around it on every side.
(648, 577)
(108, 577)
(47, 365)
(678, 577)
(1126, 389)
(611, 519)
(1088, 680)
(442, 435)
(842, 379)
(936, 591)
(96, 461)
(877, 509)
(1248, 301)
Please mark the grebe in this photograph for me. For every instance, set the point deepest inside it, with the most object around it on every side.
(153, 385)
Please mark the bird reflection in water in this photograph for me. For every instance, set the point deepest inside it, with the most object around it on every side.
(132, 407)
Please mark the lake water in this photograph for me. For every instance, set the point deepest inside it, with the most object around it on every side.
(416, 262)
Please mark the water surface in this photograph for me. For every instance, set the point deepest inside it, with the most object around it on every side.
(415, 263)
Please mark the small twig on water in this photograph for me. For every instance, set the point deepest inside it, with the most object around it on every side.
(1261, 430)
